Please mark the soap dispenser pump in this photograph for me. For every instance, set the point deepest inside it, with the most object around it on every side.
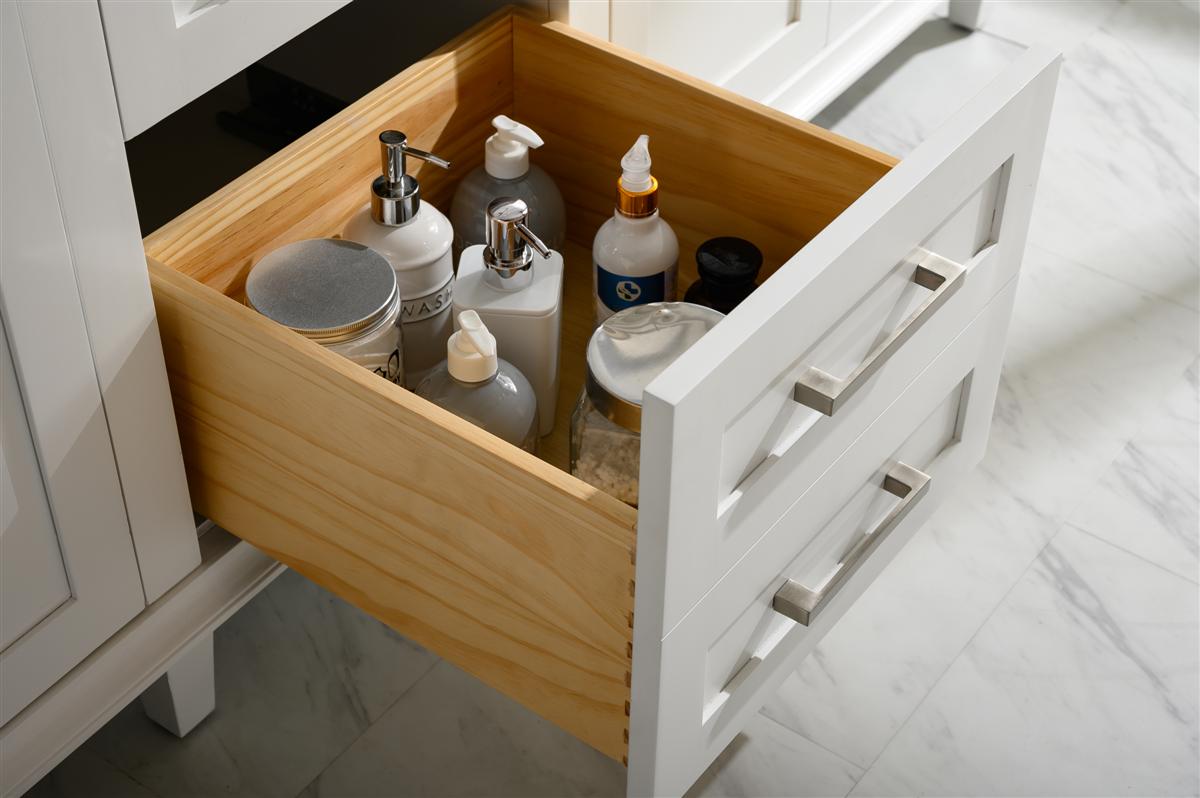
(518, 296)
(416, 239)
(506, 172)
(635, 254)
(476, 384)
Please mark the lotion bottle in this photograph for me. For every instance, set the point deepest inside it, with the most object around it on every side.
(506, 172)
(635, 255)
(475, 384)
(415, 237)
(519, 297)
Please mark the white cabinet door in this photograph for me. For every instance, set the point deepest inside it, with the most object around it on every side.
(166, 53)
(55, 389)
(33, 574)
(711, 40)
(730, 522)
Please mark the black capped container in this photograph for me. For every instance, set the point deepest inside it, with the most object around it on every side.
(728, 267)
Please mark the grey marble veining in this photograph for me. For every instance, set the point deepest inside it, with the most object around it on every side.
(1082, 683)
(453, 735)
(1119, 184)
(1147, 502)
(300, 675)
(918, 86)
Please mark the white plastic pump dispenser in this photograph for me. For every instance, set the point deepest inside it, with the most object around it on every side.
(416, 239)
(507, 172)
(475, 384)
(506, 152)
(519, 297)
(635, 255)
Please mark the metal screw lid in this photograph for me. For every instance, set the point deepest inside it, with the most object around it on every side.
(395, 194)
(323, 288)
(633, 347)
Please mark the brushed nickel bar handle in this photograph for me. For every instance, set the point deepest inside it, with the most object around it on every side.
(803, 605)
(825, 393)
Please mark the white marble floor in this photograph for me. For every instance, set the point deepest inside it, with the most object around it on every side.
(1054, 651)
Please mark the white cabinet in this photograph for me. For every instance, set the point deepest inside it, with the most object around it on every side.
(70, 574)
(167, 53)
(794, 55)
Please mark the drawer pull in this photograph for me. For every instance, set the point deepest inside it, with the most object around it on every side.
(825, 393)
(801, 604)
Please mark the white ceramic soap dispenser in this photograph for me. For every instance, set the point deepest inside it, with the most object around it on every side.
(415, 237)
(506, 172)
(635, 254)
(518, 297)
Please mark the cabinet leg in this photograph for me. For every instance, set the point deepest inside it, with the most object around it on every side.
(966, 13)
(186, 693)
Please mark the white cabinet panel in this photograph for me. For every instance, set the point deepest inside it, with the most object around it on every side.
(710, 40)
(43, 322)
(32, 571)
(166, 54)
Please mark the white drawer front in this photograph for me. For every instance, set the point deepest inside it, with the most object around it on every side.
(730, 653)
(727, 448)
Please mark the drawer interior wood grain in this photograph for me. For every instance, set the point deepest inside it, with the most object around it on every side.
(498, 561)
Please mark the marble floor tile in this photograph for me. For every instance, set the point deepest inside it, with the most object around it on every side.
(1089, 359)
(1083, 682)
(768, 760)
(453, 735)
(84, 773)
(1119, 183)
(917, 87)
(1062, 24)
(300, 675)
(1148, 503)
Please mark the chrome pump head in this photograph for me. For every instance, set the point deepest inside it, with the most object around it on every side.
(395, 194)
(510, 242)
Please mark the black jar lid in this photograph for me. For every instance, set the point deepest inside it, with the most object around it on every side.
(728, 261)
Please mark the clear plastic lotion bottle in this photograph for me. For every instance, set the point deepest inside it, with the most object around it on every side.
(475, 384)
(415, 237)
(635, 255)
(506, 172)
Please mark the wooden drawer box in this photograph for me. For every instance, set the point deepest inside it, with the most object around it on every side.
(494, 559)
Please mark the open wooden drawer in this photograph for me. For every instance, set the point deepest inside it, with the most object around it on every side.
(499, 561)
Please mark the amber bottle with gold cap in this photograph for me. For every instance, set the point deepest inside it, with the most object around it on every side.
(635, 255)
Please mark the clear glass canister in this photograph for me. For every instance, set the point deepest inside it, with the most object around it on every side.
(624, 355)
(338, 293)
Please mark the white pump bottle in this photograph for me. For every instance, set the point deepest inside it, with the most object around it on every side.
(506, 172)
(415, 238)
(635, 255)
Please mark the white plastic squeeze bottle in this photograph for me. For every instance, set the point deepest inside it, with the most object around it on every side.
(475, 384)
(415, 238)
(635, 254)
(506, 172)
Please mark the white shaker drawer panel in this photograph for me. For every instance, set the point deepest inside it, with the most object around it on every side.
(729, 653)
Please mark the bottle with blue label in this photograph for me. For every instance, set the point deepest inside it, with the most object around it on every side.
(635, 255)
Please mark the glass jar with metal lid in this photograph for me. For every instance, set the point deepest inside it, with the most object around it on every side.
(340, 294)
(624, 355)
